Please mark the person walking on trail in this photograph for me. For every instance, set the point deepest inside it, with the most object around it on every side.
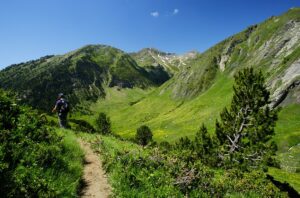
(62, 108)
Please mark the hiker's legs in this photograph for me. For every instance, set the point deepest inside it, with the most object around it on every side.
(62, 120)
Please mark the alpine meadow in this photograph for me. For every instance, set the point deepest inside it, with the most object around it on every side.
(221, 123)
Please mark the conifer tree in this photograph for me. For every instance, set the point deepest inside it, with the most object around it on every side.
(203, 142)
(203, 145)
(246, 127)
(103, 123)
(143, 135)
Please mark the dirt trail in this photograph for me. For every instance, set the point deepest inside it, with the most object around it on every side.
(94, 180)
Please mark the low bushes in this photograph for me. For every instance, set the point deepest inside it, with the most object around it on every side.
(143, 135)
(138, 172)
(35, 160)
(82, 125)
(103, 124)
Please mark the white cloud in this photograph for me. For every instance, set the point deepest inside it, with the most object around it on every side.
(175, 11)
(154, 14)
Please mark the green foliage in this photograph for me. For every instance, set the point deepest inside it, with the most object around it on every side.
(143, 135)
(103, 124)
(205, 146)
(136, 171)
(82, 125)
(30, 151)
(283, 176)
(91, 68)
(82, 75)
(167, 118)
(246, 128)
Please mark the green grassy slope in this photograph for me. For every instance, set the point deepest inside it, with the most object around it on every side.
(36, 159)
(136, 171)
(287, 138)
(283, 176)
(66, 180)
(272, 46)
(169, 119)
(81, 74)
(288, 127)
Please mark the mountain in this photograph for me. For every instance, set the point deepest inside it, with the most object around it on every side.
(198, 91)
(188, 89)
(170, 62)
(82, 74)
(174, 94)
(272, 46)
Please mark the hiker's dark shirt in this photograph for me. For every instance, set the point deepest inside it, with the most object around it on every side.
(59, 103)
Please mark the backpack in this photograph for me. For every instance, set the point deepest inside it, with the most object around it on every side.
(65, 107)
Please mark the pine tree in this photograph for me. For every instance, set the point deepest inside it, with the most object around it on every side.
(203, 142)
(143, 135)
(246, 127)
(103, 123)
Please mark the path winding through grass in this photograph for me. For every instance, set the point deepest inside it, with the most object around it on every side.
(94, 180)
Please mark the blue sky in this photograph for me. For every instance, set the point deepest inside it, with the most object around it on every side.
(30, 29)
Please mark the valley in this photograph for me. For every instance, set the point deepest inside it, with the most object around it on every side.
(173, 95)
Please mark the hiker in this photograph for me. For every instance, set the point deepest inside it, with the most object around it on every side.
(62, 109)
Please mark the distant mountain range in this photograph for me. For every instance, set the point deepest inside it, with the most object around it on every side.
(272, 46)
(81, 74)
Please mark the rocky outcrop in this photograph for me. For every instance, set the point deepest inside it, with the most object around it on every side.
(284, 93)
(150, 57)
(286, 82)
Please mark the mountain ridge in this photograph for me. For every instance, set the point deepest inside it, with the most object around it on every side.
(82, 74)
(272, 46)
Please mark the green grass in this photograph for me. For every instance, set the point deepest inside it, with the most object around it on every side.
(67, 179)
(169, 119)
(111, 142)
(287, 138)
(135, 171)
(292, 178)
(288, 128)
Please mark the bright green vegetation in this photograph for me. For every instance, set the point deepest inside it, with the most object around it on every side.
(292, 178)
(193, 167)
(103, 124)
(125, 87)
(168, 119)
(173, 119)
(245, 129)
(258, 46)
(82, 75)
(36, 160)
(288, 127)
(199, 91)
(143, 135)
(135, 171)
(67, 178)
(287, 138)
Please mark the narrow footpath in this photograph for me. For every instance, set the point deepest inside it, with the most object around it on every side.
(94, 180)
